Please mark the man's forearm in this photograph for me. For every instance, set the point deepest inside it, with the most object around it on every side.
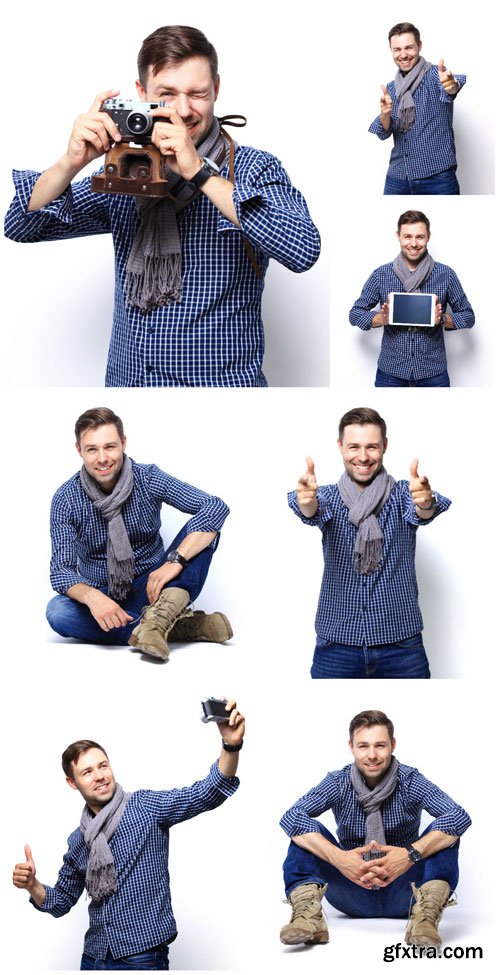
(385, 121)
(51, 184)
(195, 542)
(433, 841)
(319, 845)
(228, 763)
(308, 510)
(38, 893)
(220, 192)
(81, 592)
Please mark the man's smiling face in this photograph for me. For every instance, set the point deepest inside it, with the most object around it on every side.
(362, 449)
(101, 449)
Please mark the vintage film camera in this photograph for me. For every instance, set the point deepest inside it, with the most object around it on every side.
(214, 709)
(138, 169)
(132, 118)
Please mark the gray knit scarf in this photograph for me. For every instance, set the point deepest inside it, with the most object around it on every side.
(119, 552)
(405, 85)
(413, 279)
(364, 507)
(371, 800)
(100, 879)
(154, 266)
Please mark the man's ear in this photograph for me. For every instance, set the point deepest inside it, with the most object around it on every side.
(141, 91)
(71, 783)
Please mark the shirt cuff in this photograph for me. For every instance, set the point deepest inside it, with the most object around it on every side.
(24, 182)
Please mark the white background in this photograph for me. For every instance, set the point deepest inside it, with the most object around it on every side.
(309, 84)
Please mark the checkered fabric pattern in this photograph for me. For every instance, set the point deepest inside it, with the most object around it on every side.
(367, 610)
(79, 533)
(213, 336)
(429, 146)
(401, 812)
(413, 353)
(139, 915)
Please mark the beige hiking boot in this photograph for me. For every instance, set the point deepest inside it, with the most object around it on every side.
(202, 627)
(430, 901)
(307, 924)
(151, 634)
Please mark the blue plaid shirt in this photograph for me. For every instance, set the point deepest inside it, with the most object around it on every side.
(401, 812)
(368, 610)
(79, 533)
(413, 353)
(139, 915)
(214, 335)
(429, 146)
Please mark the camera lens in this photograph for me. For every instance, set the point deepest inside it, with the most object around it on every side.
(138, 123)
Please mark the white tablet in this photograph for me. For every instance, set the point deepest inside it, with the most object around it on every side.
(412, 309)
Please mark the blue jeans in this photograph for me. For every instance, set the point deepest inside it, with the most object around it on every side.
(72, 619)
(406, 658)
(302, 867)
(154, 958)
(442, 184)
(384, 379)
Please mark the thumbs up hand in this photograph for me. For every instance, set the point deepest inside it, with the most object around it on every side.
(307, 491)
(24, 875)
(421, 491)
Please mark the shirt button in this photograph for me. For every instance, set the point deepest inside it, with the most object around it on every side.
(149, 368)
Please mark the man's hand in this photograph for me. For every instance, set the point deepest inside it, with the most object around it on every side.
(420, 491)
(24, 875)
(382, 316)
(233, 732)
(105, 611)
(159, 578)
(93, 133)
(173, 139)
(449, 83)
(351, 864)
(383, 871)
(307, 491)
(385, 108)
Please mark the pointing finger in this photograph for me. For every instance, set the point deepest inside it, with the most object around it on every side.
(414, 467)
(441, 65)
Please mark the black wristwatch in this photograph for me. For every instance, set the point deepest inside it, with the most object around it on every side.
(208, 169)
(175, 556)
(413, 854)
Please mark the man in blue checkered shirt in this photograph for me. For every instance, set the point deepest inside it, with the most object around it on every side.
(380, 864)
(417, 110)
(116, 583)
(368, 622)
(119, 854)
(189, 271)
(413, 355)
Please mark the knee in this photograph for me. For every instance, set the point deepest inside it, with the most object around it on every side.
(56, 614)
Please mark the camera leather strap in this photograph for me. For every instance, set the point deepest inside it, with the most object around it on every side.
(230, 120)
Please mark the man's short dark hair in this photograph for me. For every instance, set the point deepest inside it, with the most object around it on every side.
(362, 415)
(368, 719)
(99, 416)
(171, 45)
(405, 28)
(414, 216)
(72, 753)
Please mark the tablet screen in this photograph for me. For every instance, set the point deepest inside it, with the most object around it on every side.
(412, 309)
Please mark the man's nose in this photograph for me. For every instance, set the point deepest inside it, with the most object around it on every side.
(102, 456)
(183, 105)
(362, 453)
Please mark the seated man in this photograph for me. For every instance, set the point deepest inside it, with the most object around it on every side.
(417, 110)
(377, 804)
(189, 271)
(413, 356)
(119, 853)
(108, 558)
